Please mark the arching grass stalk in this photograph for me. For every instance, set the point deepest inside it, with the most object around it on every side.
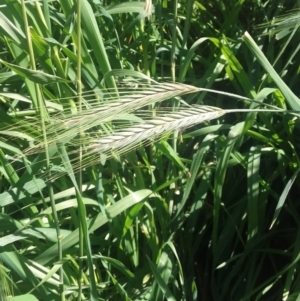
(43, 117)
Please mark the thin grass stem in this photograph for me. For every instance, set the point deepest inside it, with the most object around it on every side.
(43, 116)
(79, 178)
(174, 40)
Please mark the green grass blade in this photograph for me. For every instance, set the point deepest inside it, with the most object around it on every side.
(161, 282)
(83, 222)
(92, 31)
(291, 98)
(283, 197)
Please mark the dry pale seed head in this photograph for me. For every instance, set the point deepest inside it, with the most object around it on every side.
(65, 127)
(109, 127)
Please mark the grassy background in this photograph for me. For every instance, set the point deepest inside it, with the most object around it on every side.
(208, 214)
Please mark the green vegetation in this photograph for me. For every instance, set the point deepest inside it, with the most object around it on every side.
(142, 157)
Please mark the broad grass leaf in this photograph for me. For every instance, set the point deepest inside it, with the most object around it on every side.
(8, 29)
(96, 222)
(161, 282)
(291, 98)
(36, 76)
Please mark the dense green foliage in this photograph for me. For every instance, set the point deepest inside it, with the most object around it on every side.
(209, 213)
